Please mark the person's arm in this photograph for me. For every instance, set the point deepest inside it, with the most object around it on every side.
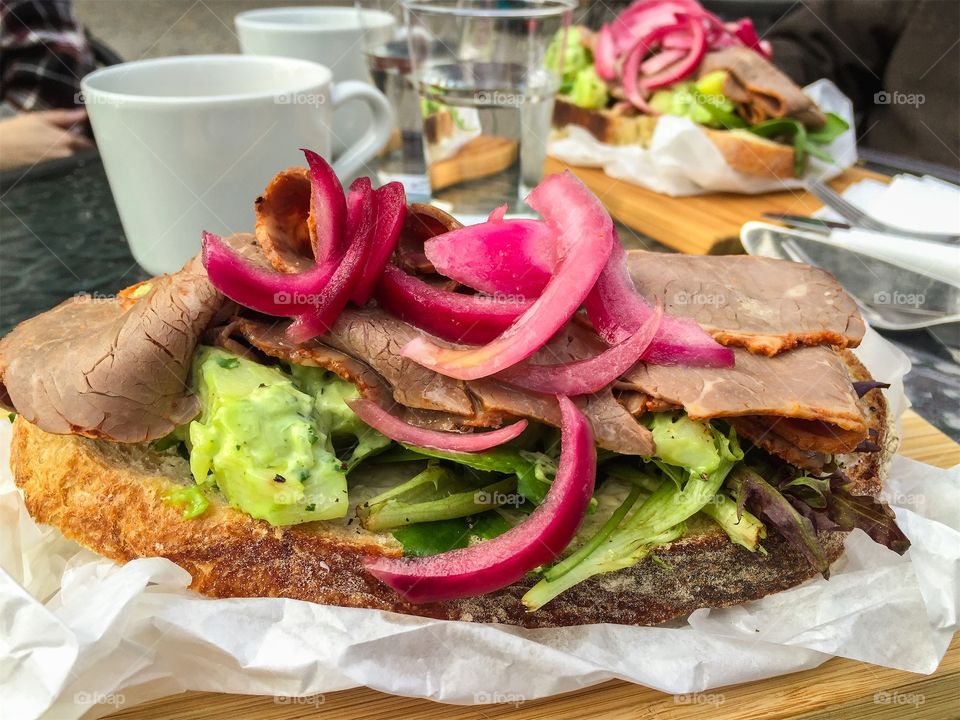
(29, 138)
(847, 41)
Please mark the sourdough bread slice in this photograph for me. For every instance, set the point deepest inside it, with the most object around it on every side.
(743, 151)
(109, 497)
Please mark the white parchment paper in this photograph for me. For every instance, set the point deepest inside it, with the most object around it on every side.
(77, 630)
(681, 159)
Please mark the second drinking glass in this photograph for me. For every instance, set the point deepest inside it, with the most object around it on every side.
(486, 84)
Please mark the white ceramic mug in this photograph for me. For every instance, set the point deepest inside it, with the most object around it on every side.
(332, 36)
(189, 142)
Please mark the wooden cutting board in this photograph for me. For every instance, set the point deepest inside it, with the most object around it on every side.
(699, 224)
(481, 157)
(837, 690)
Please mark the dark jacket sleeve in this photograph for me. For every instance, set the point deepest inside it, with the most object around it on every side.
(847, 41)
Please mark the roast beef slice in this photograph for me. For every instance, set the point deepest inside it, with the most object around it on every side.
(810, 384)
(762, 304)
(284, 228)
(371, 340)
(111, 369)
(269, 338)
(759, 89)
(376, 338)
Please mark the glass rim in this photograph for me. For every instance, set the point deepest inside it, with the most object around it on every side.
(533, 9)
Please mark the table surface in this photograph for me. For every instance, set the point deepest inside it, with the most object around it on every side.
(60, 235)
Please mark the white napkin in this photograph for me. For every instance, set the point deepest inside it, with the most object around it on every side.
(681, 160)
(924, 204)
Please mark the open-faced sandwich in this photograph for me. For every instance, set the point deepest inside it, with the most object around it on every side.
(672, 57)
(367, 404)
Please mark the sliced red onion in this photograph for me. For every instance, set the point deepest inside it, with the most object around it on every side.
(675, 41)
(328, 304)
(642, 18)
(496, 563)
(586, 237)
(635, 87)
(664, 59)
(681, 341)
(605, 55)
(617, 310)
(470, 319)
(631, 66)
(671, 25)
(258, 288)
(328, 210)
(744, 30)
(498, 213)
(685, 66)
(516, 257)
(276, 293)
(391, 212)
(403, 432)
(590, 375)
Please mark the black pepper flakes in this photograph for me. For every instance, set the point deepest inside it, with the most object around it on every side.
(279, 478)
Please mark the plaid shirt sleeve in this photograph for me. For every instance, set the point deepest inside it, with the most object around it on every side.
(43, 54)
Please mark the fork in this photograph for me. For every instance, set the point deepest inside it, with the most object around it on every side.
(858, 218)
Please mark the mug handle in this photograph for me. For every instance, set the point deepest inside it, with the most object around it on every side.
(376, 135)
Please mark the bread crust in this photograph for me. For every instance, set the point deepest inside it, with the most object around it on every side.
(753, 154)
(109, 498)
(742, 151)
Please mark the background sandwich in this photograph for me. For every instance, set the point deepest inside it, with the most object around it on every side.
(672, 57)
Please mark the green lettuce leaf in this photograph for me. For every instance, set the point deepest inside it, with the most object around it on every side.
(830, 505)
(433, 538)
(868, 514)
(437, 493)
(626, 539)
(769, 503)
(831, 130)
(685, 443)
(804, 142)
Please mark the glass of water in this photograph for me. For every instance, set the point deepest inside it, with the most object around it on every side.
(486, 95)
(387, 55)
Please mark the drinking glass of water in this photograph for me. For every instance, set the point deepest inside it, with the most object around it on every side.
(387, 56)
(486, 87)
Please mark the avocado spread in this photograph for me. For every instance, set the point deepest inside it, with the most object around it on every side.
(260, 439)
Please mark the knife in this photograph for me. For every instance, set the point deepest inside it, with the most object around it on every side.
(804, 222)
